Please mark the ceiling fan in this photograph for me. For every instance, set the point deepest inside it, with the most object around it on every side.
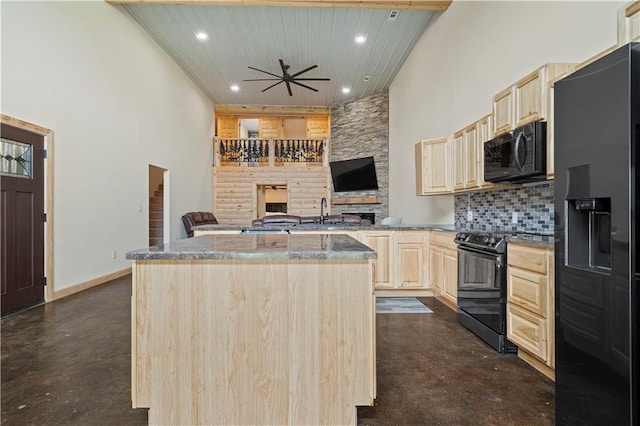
(287, 78)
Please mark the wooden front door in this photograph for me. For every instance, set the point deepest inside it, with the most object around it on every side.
(21, 218)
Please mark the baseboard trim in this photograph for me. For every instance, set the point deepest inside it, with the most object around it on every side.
(91, 283)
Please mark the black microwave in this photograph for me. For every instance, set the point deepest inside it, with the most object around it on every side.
(519, 156)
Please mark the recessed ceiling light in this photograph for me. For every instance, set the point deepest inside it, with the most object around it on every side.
(360, 39)
(202, 36)
(234, 87)
(346, 89)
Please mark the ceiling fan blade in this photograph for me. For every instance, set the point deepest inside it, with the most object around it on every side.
(266, 72)
(262, 79)
(284, 68)
(273, 85)
(304, 85)
(313, 79)
(305, 70)
(289, 88)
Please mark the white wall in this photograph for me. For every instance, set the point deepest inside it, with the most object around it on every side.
(116, 104)
(467, 55)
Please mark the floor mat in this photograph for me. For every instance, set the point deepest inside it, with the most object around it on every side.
(400, 305)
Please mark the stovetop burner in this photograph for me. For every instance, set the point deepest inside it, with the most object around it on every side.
(494, 242)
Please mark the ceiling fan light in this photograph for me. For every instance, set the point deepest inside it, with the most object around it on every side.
(202, 36)
(346, 90)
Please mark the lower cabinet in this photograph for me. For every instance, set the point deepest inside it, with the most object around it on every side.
(383, 266)
(530, 305)
(443, 267)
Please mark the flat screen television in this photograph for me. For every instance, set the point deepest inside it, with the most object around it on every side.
(357, 174)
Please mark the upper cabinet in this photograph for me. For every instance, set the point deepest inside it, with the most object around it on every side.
(466, 154)
(629, 23)
(526, 100)
(503, 117)
(433, 166)
(485, 133)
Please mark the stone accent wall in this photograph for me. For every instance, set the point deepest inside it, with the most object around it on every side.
(361, 129)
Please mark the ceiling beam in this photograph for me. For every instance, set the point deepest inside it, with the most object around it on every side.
(435, 5)
(264, 110)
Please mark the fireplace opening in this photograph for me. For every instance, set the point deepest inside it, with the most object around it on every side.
(364, 215)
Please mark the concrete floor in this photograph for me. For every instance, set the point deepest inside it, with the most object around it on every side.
(68, 362)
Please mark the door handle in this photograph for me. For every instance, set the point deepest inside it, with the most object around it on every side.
(516, 154)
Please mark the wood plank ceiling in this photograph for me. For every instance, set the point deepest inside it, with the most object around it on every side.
(242, 37)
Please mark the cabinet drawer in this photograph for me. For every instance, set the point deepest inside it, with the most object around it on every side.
(528, 290)
(409, 237)
(527, 331)
(443, 239)
(529, 258)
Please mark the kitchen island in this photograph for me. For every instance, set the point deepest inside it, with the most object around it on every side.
(253, 329)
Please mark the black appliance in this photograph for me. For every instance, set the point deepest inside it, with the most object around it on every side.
(357, 174)
(519, 156)
(482, 287)
(597, 200)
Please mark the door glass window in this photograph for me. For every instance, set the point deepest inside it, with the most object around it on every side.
(16, 159)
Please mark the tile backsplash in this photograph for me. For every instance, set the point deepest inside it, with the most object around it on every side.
(494, 210)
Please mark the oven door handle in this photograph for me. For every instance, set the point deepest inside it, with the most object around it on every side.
(479, 253)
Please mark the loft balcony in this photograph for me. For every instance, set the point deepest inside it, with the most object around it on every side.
(270, 152)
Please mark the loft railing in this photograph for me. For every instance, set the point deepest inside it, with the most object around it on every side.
(270, 152)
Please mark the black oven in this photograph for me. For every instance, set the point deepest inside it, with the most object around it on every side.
(482, 288)
(518, 156)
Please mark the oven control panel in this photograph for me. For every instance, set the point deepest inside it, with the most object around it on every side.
(481, 240)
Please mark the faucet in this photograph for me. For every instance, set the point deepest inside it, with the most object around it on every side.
(323, 203)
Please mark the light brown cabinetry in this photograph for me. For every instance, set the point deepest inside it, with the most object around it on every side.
(443, 267)
(410, 260)
(530, 305)
(629, 23)
(526, 100)
(466, 164)
(383, 243)
(485, 133)
(503, 117)
(433, 166)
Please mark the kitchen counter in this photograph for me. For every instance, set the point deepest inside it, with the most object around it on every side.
(542, 241)
(258, 246)
(253, 329)
(330, 227)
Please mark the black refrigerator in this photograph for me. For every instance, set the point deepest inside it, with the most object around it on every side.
(597, 196)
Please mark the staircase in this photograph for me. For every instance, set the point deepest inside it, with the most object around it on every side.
(156, 207)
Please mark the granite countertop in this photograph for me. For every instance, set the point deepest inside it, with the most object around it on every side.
(329, 227)
(542, 241)
(258, 246)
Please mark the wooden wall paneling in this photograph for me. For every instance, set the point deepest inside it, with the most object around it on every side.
(235, 195)
(318, 127)
(268, 127)
(227, 127)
